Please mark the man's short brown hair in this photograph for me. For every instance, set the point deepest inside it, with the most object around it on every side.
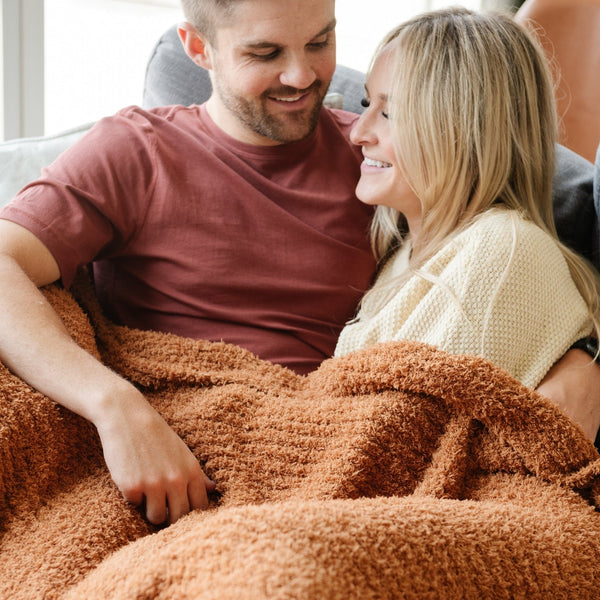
(206, 15)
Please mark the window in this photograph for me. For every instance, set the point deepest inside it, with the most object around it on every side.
(95, 55)
(359, 30)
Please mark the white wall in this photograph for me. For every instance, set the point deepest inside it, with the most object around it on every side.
(96, 53)
(359, 30)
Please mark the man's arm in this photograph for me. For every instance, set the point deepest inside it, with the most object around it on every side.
(145, 457)
(573, 384)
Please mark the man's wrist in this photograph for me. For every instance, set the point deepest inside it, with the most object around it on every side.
(589, 345)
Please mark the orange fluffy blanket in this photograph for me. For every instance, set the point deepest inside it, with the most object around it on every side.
(395, 472)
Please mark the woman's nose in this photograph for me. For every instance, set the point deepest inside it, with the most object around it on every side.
(362, 133)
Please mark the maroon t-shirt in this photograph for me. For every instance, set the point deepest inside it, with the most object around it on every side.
(192, 232)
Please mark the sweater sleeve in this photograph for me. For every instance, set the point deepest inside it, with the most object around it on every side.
(501, 290)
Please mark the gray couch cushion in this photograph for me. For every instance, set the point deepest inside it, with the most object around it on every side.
(576, 212)
(596, 237)
(173, 78)
(21, 160)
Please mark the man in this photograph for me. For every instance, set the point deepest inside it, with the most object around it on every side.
(235, 221)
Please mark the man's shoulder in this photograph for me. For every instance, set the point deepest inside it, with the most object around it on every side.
(139, 128)
(343, 120)
(335, 127)
(173, 113)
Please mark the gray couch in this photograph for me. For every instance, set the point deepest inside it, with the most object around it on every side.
(172, 78)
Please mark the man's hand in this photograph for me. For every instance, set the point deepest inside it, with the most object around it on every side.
(573, 384)
(148, 461)
(145, 457)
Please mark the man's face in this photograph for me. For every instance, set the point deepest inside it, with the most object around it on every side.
(271, 67)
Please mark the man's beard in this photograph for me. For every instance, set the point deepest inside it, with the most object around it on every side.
(283, 128)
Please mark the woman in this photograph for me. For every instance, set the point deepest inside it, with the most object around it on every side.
(459, 138)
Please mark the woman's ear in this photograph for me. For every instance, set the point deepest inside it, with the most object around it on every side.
(194, 44)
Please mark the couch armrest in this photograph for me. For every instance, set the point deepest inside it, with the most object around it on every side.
(22, 160)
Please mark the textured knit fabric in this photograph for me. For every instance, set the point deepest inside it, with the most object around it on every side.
(501, 290)
(397, 471)
(198, 234)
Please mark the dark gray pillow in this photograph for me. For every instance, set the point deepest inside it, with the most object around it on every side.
(596, 237)
(576, 203)
(172, 78)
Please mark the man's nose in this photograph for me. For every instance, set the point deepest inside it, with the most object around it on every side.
(298, 73)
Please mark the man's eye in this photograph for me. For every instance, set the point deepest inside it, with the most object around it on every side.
(269, 56)
(320, 43)
(385, 114)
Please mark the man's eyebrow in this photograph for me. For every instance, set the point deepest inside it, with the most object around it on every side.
(329, 27)
(260, 45)
(264, 44)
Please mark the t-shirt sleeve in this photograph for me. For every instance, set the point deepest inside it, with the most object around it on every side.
(90, 202)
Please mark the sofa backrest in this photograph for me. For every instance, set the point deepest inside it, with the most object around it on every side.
(22, 160)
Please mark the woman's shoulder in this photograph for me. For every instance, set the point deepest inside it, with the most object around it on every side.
(506, 233)
(499, 226)
(500, 221)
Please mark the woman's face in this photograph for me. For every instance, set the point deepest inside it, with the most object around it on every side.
(381, 180)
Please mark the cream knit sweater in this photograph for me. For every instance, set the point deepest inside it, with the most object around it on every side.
(503, 291)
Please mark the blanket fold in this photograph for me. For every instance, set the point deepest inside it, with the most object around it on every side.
(396, 471)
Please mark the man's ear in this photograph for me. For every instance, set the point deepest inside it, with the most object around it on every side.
(194, 44)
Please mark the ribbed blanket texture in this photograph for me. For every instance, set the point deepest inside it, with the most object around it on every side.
(398, 471)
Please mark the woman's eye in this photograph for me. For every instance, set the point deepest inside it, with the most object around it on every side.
(365, 103)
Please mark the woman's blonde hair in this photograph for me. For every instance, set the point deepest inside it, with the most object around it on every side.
(474, 126)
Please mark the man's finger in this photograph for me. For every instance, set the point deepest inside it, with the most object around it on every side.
(179, 505)
(156, 508)
(197, 492)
